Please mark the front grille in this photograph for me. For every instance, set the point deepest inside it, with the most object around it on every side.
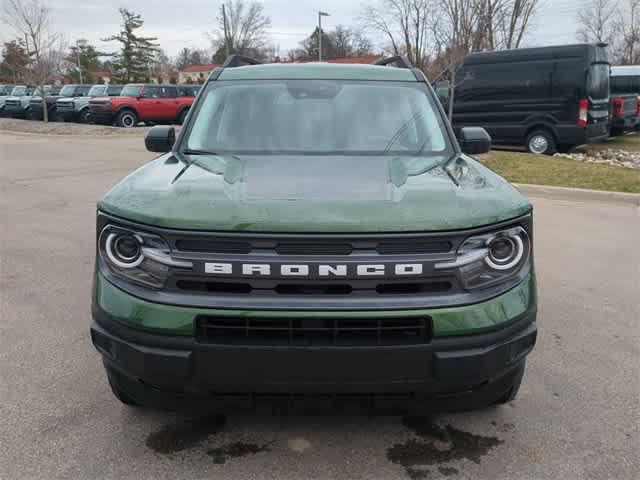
(313, 331)
(64, 107)
(213, 246)
(313, 288)
(314, 249)
(98, 107)
(12, 103)
(403, 247)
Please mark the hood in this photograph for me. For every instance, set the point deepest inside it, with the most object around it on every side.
(315, 194)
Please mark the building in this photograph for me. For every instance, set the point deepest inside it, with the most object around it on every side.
(196, 73)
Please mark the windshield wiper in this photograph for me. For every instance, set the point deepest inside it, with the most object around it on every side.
(191, 151)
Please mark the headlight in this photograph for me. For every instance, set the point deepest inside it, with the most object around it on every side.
(137, 256)
(485, 260)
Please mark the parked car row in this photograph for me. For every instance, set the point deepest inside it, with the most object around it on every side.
(547, 99)
(121, 105)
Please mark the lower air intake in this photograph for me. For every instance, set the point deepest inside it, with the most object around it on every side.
(314, 331)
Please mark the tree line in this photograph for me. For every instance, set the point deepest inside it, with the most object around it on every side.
(433, 34)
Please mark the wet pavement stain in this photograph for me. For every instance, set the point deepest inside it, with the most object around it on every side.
(417, 474)
(448, 471)
(438, 445)
(185, 435)
(221, 454)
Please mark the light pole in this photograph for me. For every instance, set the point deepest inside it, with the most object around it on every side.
(320, 15)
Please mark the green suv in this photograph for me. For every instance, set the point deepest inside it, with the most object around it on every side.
(315, 231)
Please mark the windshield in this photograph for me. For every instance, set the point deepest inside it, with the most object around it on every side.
(598, 81)
(5, 90)
(97, 90)
(68, 91)
(317, 117)
(19, 91)
(131, 91)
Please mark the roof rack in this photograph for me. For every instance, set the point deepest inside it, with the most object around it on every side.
(237, 60)
(399, 60)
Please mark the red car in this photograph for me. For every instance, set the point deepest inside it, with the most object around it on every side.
(150, 103)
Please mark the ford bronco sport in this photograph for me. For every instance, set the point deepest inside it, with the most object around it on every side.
(149, 103)
(72, 91)
(76, 108)
(315, 231)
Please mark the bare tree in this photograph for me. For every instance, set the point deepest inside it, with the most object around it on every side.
(406, 24)
(597, 21)
(627, 24)
(31, 20)
(243, 31)
(475, 25)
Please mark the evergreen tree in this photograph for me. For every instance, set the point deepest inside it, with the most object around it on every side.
(86, 58)
(136, 52)
(15, 60)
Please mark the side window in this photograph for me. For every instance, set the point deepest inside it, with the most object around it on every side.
(168, 92)
(113, 91)
(151, 91)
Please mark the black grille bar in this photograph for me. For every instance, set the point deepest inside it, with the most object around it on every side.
(314, 331)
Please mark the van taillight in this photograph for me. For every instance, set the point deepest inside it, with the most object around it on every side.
(583, 112)
(618, 104)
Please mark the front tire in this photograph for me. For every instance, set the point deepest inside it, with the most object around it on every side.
(182, 116)
(541, 142)
(84, 116)
(127, 119)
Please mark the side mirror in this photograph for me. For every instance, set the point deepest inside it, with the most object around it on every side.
(474, 140)
(160, 139)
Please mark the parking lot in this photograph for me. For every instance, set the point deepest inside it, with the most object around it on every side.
(577, 415)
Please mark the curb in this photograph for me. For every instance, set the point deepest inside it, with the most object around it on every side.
(578, 194)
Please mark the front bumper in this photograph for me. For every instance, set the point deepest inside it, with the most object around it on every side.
(446, 373)
(14, 111)
(102, 117)
(625, 123)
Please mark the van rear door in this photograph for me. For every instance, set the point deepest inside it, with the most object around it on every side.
(598, 97)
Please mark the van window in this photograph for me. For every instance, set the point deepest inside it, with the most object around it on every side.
(621, 85)
(598, 81)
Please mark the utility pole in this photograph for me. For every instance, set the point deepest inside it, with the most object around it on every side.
(226, 34)
(79, 64)
(320, 15)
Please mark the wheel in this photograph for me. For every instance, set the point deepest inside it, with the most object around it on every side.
(182, 117)
(84, 116)
(127, 119)
(118, 393)
(514, 389)
(541, 142)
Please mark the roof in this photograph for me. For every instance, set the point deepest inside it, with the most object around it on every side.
(626, 71)
(317, 71)
(205, 68)
(364, 59)
(529, 54)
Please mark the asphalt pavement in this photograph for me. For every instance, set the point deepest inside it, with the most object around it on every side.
(577, 415)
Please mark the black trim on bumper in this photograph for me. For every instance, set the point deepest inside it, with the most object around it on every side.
(449, 373)
(104, 118)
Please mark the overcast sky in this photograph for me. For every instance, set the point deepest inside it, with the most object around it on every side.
(184, 23)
